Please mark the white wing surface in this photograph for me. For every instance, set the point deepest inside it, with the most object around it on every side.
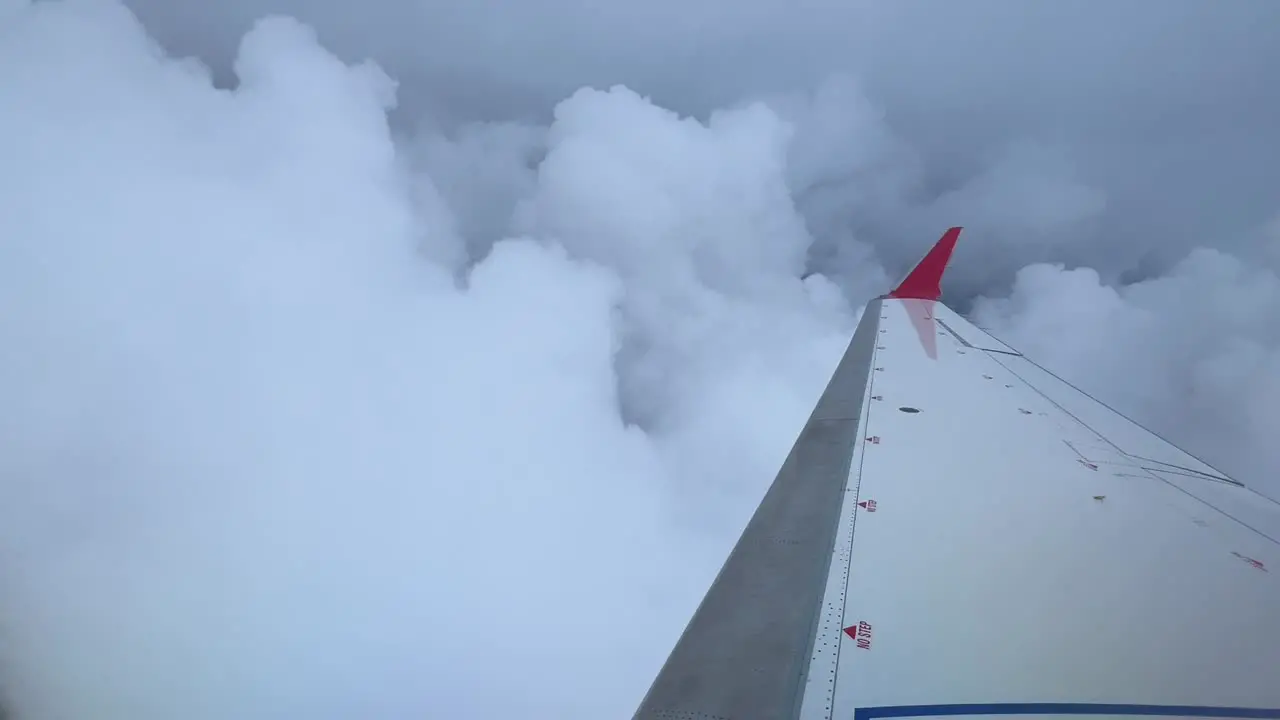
(959, 532)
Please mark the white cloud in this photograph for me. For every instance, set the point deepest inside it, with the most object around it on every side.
(1194, 354)
(273, 447)
(307, 414)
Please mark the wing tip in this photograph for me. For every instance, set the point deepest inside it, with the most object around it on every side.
(924, 282)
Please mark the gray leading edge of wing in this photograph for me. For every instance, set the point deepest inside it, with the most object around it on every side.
(746, 650)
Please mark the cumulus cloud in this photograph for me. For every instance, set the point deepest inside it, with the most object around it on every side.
(289, 433)
(1194, 354)
(438, 384)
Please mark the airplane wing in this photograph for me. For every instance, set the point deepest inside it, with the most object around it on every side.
(958, 531)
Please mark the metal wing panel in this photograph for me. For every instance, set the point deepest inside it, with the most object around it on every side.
(967, 333)
(1000, 566)
(1114, 428)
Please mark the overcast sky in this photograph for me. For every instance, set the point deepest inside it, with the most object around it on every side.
(412, 359)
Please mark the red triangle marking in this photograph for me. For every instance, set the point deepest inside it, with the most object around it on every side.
(862, 504)
(852, 631)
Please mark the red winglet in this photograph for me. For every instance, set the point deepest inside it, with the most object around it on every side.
(925, 281)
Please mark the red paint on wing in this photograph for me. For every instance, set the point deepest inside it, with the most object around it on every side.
(925, 281)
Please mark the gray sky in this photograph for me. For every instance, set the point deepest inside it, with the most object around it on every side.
(1155, 103)
(422, 359)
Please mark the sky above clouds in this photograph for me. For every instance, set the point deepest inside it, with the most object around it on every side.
(403, 359)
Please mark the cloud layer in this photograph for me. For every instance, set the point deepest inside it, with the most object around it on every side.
(439, 385)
